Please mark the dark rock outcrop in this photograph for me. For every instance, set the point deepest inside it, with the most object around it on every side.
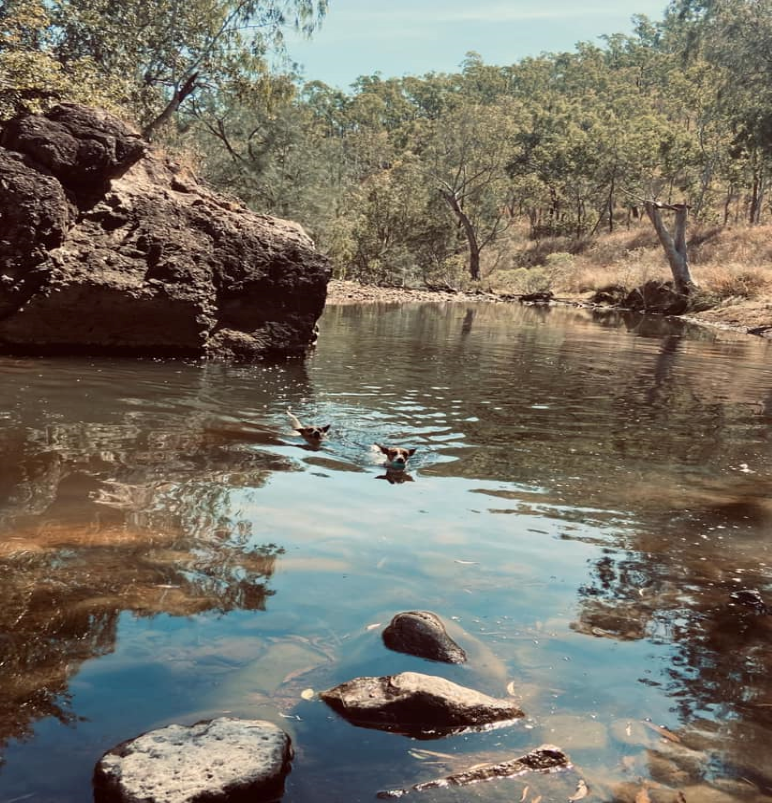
(107, 248)
(83, 148)
(609, 294)
(546, 758)
(418, 705)
(221, 761)
(422, 633)
(656, 296)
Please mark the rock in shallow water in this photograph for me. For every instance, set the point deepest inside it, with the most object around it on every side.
(418, 705)
(422, 633)
(221, 761)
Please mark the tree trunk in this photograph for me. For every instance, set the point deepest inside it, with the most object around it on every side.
(611, 205)
(675, 245)
(755, 202)
(727, 203)
(171, 107)
(471, 236)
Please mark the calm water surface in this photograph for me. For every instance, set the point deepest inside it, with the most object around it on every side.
(586, 497)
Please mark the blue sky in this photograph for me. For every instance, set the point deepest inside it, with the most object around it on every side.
(412, 37)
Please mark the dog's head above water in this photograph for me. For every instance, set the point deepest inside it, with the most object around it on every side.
(313, 435)
(396, 456)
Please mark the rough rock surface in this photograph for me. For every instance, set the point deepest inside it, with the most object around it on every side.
(546, 758)
(656, 296)
(419, 705)
(222, 759)
(422, 633)
(107, 248)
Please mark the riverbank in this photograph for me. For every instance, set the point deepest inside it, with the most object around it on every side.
(348, 292)
(746, 316)
(732, 266)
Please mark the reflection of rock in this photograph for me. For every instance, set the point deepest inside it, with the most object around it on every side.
(65, 587)
(623, 621)
(422, 633)
(419, 705)
(116, 250)
(546, 758)
(218, 760)
(96, 519)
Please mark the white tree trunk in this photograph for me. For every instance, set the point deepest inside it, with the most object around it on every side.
(675, 245)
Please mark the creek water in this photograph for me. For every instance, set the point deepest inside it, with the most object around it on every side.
(588, 496)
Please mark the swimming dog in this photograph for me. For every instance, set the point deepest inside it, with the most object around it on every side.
(396, 456)
(313, 436)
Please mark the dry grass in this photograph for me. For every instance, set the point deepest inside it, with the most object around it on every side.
(727, 263)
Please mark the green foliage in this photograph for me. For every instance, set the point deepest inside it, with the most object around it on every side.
(144, 55)
(31, 77)
(414, 180)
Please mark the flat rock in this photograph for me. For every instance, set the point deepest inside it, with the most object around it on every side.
(221, 760)
(422, 706)
(423, 634)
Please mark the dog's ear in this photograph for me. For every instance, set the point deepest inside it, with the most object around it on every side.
(411, 452)
(382, 448)
(326, 427)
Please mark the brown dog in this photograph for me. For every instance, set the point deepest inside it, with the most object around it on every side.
(396, 456)
(313, 436)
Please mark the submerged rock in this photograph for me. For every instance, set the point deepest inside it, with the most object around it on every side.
(106, 247)
(418, 705)
(546, 758)
(422, 633)
(220, 761)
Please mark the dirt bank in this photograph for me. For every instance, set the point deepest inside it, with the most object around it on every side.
(343, 292)
(751, 317)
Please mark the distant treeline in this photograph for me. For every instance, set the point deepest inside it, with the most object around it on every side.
(413, 179)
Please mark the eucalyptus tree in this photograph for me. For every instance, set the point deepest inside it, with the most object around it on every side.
(156, 56)
(463, 155)
(735, 36)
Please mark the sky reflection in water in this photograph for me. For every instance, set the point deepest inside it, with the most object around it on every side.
(586, 496)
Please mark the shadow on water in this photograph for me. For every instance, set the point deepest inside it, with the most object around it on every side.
(588, 496)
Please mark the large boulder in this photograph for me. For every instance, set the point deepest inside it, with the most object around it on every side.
(105, 247)
(423, 634)
(220, 760)
(418, 705)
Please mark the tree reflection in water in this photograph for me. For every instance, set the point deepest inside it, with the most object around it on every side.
(673, 586)
(92, 526)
